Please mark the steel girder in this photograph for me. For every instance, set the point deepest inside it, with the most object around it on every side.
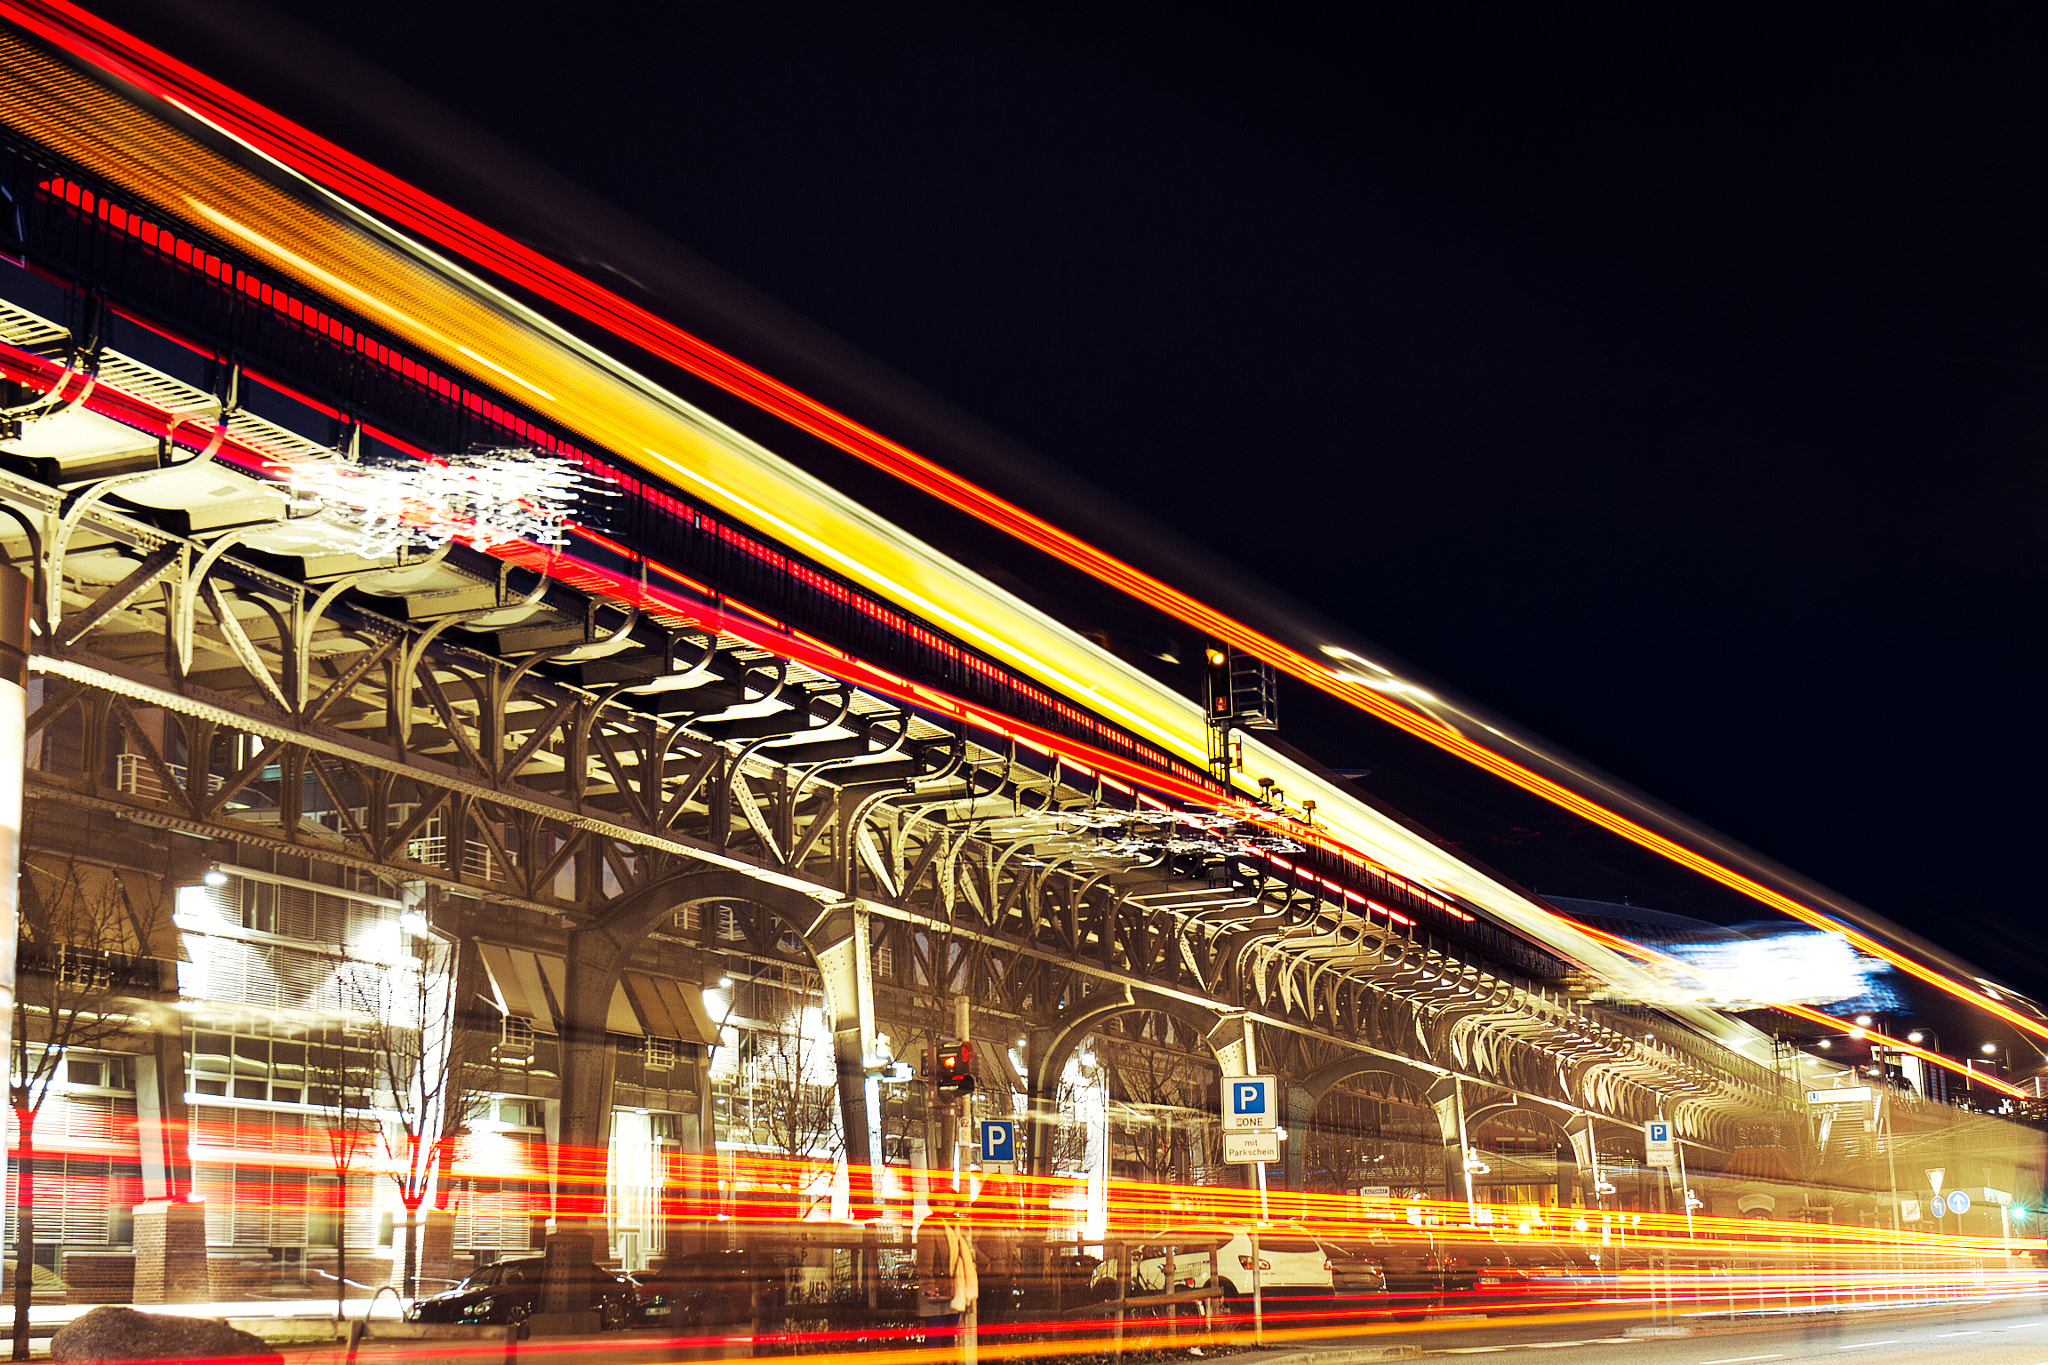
(502, 734)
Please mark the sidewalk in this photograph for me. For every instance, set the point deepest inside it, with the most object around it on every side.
(57, 1314)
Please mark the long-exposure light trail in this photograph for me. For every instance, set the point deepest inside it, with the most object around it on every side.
(135, 149)
(738, 621)
(1976, 1077)
(627, 416)
(1667, 962)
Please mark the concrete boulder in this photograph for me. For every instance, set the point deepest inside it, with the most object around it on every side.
(109, 1334)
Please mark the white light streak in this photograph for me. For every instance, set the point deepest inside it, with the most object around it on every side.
(1798, 968)
(484, 497)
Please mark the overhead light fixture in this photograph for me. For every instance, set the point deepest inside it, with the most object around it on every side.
(1916, 1036)
(215, 877)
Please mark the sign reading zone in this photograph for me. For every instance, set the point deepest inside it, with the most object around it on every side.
(1250, 1104)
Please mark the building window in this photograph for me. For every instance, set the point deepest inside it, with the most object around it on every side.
(84, 969)
(259, 906)
(520, 1113)
(251, 1065)
(97, 1073)
(661, 1054)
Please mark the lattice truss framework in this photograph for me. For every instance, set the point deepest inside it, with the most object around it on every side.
(447, 719)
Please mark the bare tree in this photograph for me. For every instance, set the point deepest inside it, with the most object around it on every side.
(799, 1112)
(416, 1040)
(1168, 1089)
(82, 961)
(338, 1078)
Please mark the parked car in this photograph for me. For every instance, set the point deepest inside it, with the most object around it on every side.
(1356, 1267)
(1406, 1275)
(1290, 1260)
(718, 1288)
(510, 1292)
(1529, 1276)
(1063, 1279)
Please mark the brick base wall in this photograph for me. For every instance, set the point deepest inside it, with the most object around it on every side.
(99, 1277)
(170, 1253)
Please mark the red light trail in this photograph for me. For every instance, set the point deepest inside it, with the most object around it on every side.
(87, 37)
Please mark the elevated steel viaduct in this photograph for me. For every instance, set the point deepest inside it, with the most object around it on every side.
(679, 748)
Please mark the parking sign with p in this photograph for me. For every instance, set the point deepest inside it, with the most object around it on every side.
(998, 1140)
(1248, 1105)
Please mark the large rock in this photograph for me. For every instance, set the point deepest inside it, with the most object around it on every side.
(108, 1333)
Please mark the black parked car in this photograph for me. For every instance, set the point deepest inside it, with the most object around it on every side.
(510, 1292)
(721, 1288)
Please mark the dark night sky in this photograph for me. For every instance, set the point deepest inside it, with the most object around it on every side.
(1673, 386)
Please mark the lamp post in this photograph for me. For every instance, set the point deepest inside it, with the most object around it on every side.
(14, 638)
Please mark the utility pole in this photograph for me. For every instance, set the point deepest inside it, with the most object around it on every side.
(955, 1123)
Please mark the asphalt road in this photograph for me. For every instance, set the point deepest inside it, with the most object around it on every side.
(2014, 1332)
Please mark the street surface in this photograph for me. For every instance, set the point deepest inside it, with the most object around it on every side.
(2005, 1333)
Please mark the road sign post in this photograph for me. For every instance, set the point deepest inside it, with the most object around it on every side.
(1244, 1149)
(1251, 1120)
(998, 1143)
(1250, 1105)
(1660, 1147)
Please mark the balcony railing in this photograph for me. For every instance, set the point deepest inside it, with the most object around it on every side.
(135, 775)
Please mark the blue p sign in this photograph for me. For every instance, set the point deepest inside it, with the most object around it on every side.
(1247, 1097)
(1660, 1132)
(998, 1140)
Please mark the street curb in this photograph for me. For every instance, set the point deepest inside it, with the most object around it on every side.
(1345, 1355)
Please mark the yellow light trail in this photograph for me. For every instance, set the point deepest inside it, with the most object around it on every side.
(432, 304)
(435, 304)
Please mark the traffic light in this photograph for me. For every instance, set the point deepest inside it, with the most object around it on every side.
(1239, 689)
(953, 1069)
(1216, 682)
